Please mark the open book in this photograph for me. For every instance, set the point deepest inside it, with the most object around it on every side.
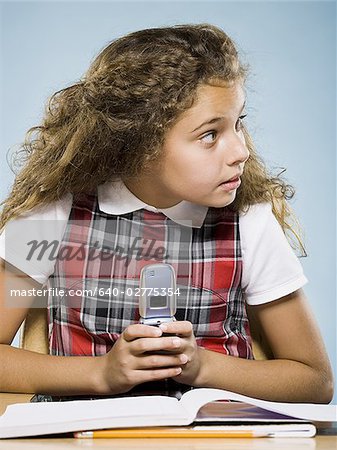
(30, 419)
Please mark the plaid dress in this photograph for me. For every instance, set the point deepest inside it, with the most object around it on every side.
(95, 283)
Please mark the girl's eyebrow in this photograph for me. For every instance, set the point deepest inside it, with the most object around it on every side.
(216, 119)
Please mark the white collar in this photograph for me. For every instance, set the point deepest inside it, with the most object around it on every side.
(115, 198)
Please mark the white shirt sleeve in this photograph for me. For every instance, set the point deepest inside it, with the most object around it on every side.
(271, 269)
(31, 230)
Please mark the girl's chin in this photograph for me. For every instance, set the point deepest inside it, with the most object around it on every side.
(217, 199)
(224, 201)
(217, 203)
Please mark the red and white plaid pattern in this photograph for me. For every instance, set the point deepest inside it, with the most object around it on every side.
(207, 262)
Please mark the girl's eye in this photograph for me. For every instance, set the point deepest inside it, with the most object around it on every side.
(209, 138)
(238, 125)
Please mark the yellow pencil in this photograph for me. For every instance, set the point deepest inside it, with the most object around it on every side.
(168, 432)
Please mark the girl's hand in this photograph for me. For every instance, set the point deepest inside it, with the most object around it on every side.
(191, 369)
(128, 364)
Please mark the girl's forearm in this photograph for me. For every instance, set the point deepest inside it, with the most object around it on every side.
(274, 380)
(30, 372)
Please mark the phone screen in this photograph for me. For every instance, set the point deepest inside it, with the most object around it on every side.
(158, 301)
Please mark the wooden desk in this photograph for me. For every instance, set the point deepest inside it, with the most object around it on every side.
(317, 443)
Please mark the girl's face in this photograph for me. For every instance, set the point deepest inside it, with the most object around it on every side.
(204, 148)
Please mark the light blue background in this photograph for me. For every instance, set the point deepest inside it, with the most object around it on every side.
(291, 94)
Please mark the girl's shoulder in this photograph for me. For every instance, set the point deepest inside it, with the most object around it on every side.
(256, 218)
(57, 210)
(256, 211)
(41, 219)
(260, 231)
(271, 269)
(37, 227)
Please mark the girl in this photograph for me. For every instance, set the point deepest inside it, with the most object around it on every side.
(151, 146)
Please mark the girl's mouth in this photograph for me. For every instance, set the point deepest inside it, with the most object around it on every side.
(231, 185)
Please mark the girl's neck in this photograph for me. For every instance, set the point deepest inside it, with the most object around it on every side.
(151, 193)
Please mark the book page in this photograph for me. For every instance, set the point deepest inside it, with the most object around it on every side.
(47, 417)
(233, 412)
(193, 400)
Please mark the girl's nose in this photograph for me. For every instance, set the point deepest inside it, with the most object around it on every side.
(238, 151)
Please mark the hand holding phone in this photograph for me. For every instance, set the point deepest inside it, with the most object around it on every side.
(131, 362)
(157, 306)
(144, 353)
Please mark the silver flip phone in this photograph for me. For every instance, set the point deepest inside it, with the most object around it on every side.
(157, 301)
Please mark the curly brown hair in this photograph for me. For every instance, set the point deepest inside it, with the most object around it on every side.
(113, 121)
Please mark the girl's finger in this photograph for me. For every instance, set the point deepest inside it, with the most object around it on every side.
(144, 376)
(138, 330)
(160, 361)
(183, 328)
(144, 345)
